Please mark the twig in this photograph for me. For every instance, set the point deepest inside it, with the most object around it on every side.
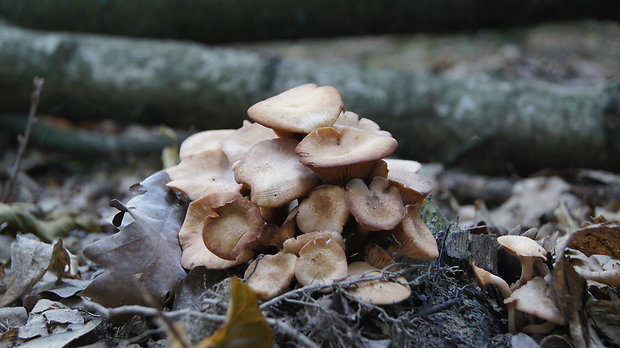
(23, 143)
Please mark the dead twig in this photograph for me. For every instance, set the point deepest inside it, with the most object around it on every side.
(23, 141)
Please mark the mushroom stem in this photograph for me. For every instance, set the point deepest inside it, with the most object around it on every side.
(512, 320)
(527, 268)
(543, 328)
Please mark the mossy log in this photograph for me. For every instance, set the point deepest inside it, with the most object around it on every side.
(484, 123)
(215, 21)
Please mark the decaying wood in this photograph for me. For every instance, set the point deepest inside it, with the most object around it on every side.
(488, 124)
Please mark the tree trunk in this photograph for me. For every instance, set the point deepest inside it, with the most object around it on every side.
(488, 124)
(215, 21)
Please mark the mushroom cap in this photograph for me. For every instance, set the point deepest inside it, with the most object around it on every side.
(271, 275)
(239, 142)
(204, 141)
(378, 207)
(414, 239)
(337, 156)
(378, 292)
(195, 252)
(274, 235)
(299, 110)
(232, 228)
(532, 298)
(272, 171)
(324, 209)
(294, 245)
(413, 187)
(321, 261)
(522, 246)
(378, 257)
(202, 173)
(352, 120)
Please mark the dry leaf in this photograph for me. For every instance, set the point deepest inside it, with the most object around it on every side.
(245, 325)
(570, 289)
(597, 239)
(144, 253)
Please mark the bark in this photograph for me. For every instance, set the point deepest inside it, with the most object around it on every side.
(215, 21)
(482, 123)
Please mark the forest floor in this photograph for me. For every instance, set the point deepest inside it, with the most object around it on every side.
(447, 307)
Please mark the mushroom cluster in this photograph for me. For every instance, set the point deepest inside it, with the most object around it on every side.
(307, 187)
(530, 297)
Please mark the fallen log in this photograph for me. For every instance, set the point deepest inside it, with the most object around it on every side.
(488, 124)
(216, 21)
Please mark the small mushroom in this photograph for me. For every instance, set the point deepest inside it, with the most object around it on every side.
(338, 156)
(414, 239)
(232, 228)
(273, 173)
(380, 291)
(375, 207)
(202, 173)
(527, 251)
(413, 187)
(195, 252)
(484, 277)
(321, 261)
(349, 119)
(271, 275)
(204, 141)
(299, 110)
(294, 245)
(274, 235)
(531, 298)
(325, 208)
(238, 143)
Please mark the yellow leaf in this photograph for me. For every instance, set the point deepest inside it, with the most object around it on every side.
(245, 325)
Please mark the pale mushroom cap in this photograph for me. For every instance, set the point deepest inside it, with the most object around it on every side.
(321, 261)
(272, 171)
(204, 141)
(299, 110)
(400, 165)
(203, 173)
(238, 143)
(325, 208)
(522, 246)
(532, 298)
(233, 228)
(414, 239)
(378, 292)
(329, 147)
(378, 207)
(195, 252)
(294, 245)
(352, 120)
(271, 275)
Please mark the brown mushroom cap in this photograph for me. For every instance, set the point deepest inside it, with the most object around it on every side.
(233, 228)
(484, 277)
(378, 207)
(204, 141)
(195, 253)
(413, 187)
(352, 120)
(321, 261)
(532, 298)
(203, 173)
(522, 246)
(299, 110)
(271, 275)
(378, 292)
(274, 235)
(238, 143)
(272, 171)
(337, 156)
(378, 257)
(324, 209)
(414, 239)
(294, 245)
